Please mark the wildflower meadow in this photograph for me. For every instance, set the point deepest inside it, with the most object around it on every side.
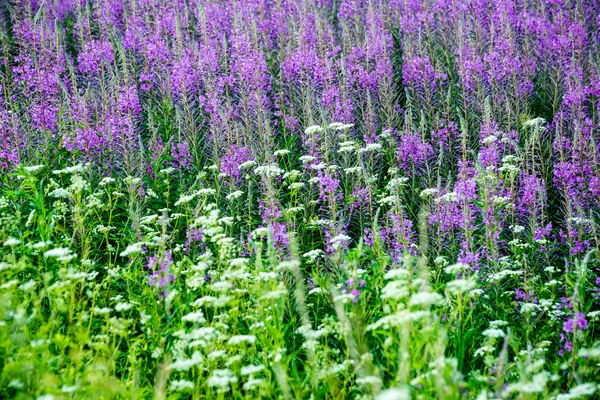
(299, 199)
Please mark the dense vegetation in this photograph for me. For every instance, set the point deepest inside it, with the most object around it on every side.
(386, 199)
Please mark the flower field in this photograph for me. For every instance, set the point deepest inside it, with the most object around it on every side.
(299, 199)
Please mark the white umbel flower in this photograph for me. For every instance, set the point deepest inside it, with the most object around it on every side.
(10, 242)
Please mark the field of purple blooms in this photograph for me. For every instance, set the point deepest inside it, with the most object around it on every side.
(299, 199)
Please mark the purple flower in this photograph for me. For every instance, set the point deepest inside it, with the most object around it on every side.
(95, 54)
(578, 322)
(568, 326)
(159, 268)
(230, 163)
(355, 293)
(581, 322)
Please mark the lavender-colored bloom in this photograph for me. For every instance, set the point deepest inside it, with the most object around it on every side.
(159, 268)
(581, 322)
(95, 55)
(230, 163)
(578, 321)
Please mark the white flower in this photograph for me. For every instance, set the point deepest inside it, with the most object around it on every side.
(130, 180)
(260, 232)
(12, 282)
(397, 273)
(58, 252)
(308, 333)
(352, 170)
(247, 164)
(134, 248)
(213, 355)
(447, 198)
(34, 168)
(156, 353)
(144, 318)
(369, 380)
(585, 389)
(226, 221)
(251, 369)
(267, 276)
(489, 139)
(186, 364)
(528, 308)
(335, 369)
(288, 265)
(241, 339)
(339, 240)
(253, 383)
(371, 147)
(197, 317)
(396, 183)
(386, 134)
(425, 193)
(501, 200)
(207, 191)
(181, 386)
(11, 242)
(69, 389)
(281, 152)
(106, 181)
(344, 127)
(395, 290)
(483, 350)
(493, 333)
(270, 171)
(221, 286)
(294, 210)
(517, 228)
(307, 159)
(346, 149)
(389, 200)
(344, 298)
(503, 274)
(276, 294)
(238, 262)
(498, 324)
(296, 185)
(27, 286)
(234, 195)
(394, 394)
(535, 122)
(424, 299)
(123, 306)
(60, 193)
(311, 130)
(456, 268)
(593, 353)
(221, 378)
(458, 286)
(166, 171)
(313, 254)
(185, 199)
(76, 169)
(292, 174)
(441, 260)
